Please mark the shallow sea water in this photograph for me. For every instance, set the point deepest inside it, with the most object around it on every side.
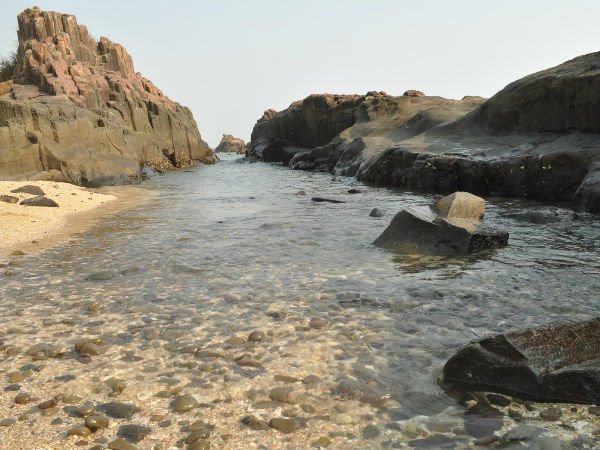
(232, 248)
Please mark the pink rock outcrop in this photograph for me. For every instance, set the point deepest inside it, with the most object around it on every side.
(78, 107)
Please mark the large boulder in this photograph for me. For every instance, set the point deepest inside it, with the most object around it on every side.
(77, 107)
(231, 144)
(454, 228)
(557, 363)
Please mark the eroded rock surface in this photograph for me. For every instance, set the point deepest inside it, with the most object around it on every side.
(558, 363)
(231, 144)
(76, 108)
(339, 132)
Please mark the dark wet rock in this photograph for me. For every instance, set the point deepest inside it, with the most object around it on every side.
(423, 229)
(118, 410)
(9, 199)
(70, 399)
(483, 420)
(370, 432)
(29, 189)
(121, 444)
(522, 433)
(196, 436)
(326, 200)
(311, 380)
(256, 336)
(557, 363)
(133, 433)
(284, 425)
(65, 378)
(255, 423)
(96, 422)
(499, 400)
(13, 388)
(354, 191)
(80, 431)
(184, 403)
(39, 201)
(594, 410)
(433, 441)
(376, 212)
(551, 414)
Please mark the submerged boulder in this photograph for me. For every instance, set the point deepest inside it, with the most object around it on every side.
(454, 228)
(558, 363)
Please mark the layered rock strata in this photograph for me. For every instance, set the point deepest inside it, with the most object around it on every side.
(77, 111)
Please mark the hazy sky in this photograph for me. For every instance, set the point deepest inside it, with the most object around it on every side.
(230, 60)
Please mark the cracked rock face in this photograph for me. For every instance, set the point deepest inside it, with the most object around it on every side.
(231, 144)
(77, 107)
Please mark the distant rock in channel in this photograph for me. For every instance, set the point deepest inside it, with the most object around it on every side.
(231, 144)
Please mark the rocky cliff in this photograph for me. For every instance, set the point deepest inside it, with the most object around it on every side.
(338, 132)
(537, 138)
(77, 111)
(231, 144)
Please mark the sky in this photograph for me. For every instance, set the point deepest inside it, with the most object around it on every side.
(229, 60)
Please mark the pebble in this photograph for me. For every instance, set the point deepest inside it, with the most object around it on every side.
(282, 395)
(196, 436)
(594, 410)
(551, 414)
(341, 419)
(121, 444)
(95, 307)
(119, 410)
(322, 442)
(256, 336)
(117, 385)
(23, 399)
(499, 400)
(80, 431)
(255, 423)
(96, 422)
(248, 362)
(370, 432)
(317, 323)
(285, 379)
(236, 340)
(7, 422)
(376, 212)
(90, 349)
(311, 380)
(548, 443)
(87, 409)
(434, 441)
(199, 445)
(184, 403)
(12, 388)
(48, 404)
(133, 433)
(284, 425)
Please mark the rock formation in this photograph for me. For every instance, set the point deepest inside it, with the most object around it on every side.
(77, 111)
(558, 363)
(537, 138)
(231, 144)
(339, 132)
(452, 226)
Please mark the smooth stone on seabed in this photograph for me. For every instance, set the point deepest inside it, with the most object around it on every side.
(184, 403)
(80, 431)
(284, 425)
(9, 199)
(256, 336)
(255, 423)
(133, 433)
(121, 444)
(119, 410)
(376, 212)
(96, 422)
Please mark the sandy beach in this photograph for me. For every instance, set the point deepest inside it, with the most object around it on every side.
(30, 229)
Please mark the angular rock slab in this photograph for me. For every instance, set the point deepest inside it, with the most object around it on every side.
(423, 229)
(40, 200)
(558, 363)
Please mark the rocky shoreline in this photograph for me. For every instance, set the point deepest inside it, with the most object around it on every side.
(537, 138)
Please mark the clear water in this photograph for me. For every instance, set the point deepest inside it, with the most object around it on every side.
(221, 246)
